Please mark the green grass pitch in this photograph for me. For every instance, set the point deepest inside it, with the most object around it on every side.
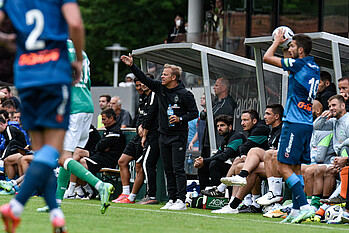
(84, 216)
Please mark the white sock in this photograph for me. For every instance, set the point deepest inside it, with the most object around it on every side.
(132, 197)
(56, 213)
(324, 207)
(221, 188)
(271, 184)
(126, 189)
(248, 200)
(16, 207)
(277, 186)
(231, 199)
(294, 212)
(305, 207)
(59, 201)
(254, 198)
(71, 188)
(98, 184)
(79, 191)
(88, 188)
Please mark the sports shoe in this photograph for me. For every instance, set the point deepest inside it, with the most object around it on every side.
(274, 214)
(46, 209)
(73, 196)
(105, 189)
(148, 201)
(268, 199)
(250, 209)
(335, 200)
(178, 205)
(4, 192)
(6, 185)
(213, 192)
(226, 210)
(59, 225)
(88, 196)
(317, 218)
(337, 220)
(167, 205)
(303, 215)
(80, 197)
(10, 220)
(234, 181)
(126, 201)
(120, 197)
(289, 218)
(345, 217)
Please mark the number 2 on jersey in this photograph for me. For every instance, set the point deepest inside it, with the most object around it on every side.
(32, 42)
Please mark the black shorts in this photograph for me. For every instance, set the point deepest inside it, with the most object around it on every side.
(134, 149)
(97, 161)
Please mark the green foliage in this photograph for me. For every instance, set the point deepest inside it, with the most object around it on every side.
(132, 23)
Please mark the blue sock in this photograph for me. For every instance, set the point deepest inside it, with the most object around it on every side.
(300, 177)
(298, 196)
(38, 173)
(50, 191)
(35, 179)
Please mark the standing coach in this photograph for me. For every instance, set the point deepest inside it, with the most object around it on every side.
(173, 129)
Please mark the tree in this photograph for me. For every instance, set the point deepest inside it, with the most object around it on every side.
(132, 23)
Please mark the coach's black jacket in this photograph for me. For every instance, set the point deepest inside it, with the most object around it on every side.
(257, 137)
(181, 100)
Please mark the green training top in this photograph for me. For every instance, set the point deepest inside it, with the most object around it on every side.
(81, 99)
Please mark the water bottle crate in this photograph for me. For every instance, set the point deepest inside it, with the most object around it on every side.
(190, 169)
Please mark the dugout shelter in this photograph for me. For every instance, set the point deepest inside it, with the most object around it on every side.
(330, 52)
(202, 66)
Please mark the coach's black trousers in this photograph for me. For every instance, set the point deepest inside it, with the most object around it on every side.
(172, 150)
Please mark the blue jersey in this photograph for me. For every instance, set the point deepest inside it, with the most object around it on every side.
(303, 83)
(42, 32)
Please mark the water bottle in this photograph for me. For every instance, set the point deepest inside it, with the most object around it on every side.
(190, 164)
(170, 113)
(195, 193)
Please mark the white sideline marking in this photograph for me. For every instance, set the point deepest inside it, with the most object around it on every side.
(216, 217)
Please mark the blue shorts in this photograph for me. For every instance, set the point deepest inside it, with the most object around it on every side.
(294, 144)
(45, 107)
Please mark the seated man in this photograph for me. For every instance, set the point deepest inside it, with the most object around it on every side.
(219, 163)
(257, 137)
(325, 90)
(109, 148)
(14, 138)
(254, 165)
(123, 117)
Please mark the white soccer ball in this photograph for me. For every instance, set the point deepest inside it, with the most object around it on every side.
(333, 212)
(288, 35)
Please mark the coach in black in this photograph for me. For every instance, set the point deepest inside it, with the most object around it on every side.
(173, 129)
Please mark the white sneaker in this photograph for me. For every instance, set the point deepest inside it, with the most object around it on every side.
(178, 205)
(234, 181)
(268, 199)
(225, 210)
(168, 205)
